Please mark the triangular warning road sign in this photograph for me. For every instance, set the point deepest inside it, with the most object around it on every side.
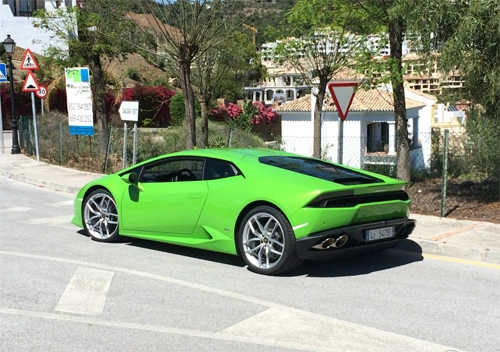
(342, 94)
(29, 62)
(30, 83)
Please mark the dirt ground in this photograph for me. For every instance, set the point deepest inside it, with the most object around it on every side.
(464, 199)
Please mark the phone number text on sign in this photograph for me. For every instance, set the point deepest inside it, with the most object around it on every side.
(80, 106)
(75, 119)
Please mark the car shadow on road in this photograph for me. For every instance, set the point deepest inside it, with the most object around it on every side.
(211, 256)
(405, 253)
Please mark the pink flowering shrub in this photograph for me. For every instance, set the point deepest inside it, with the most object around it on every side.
(244, 117)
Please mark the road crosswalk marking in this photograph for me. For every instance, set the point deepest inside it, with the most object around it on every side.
(86, 292)
(54, 220)
(61, 204)
(14, 209)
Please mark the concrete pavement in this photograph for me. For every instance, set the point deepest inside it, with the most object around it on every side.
(465, 239)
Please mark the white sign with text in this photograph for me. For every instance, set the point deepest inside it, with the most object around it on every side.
(80, 112)
(129, 111)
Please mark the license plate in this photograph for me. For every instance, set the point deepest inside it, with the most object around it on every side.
(378, 234)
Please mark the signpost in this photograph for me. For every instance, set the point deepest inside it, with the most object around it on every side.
(3, 79)
(80, 113)
(29, 62)
(129, 111)
(343, 94)
(42, 93)
(31, 85)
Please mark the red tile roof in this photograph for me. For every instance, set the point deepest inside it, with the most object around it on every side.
(364, 100)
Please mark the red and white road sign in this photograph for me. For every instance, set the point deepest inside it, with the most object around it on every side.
(30, 83)
(42, 92)
(29, 62)
(342, 93)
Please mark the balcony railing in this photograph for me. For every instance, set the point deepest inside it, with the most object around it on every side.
(25, 8)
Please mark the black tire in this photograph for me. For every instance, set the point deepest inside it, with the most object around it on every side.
(100, 216)
(266, 242)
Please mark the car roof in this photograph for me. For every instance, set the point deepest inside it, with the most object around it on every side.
(231, 153)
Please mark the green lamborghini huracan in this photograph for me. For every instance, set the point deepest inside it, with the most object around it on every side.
(272, 208)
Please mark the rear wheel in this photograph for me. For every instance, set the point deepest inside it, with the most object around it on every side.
(266, 242)
(100, 216)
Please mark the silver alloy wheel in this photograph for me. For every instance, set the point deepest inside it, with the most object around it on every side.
(101, 216)
(263, 240)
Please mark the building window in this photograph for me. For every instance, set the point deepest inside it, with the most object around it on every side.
(377, 137)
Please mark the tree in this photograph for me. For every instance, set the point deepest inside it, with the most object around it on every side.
(320, 54)
(184, 30)
(464, 34)
(92, 34)
(233, 58)
(383, 13)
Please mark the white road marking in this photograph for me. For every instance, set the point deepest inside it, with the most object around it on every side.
(54, 220)
(279, 326)
(61, 204)
(14, 209)
(86, 292)
(310, 329)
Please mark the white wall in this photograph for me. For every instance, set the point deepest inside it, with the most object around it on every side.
(25, 34)
(424, 125)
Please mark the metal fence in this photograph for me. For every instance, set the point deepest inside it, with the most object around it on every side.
(57, 146)
(443, 158)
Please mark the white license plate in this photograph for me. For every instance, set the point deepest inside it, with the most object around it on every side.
(378, 234)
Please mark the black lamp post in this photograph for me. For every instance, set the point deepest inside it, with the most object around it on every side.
(9, 46)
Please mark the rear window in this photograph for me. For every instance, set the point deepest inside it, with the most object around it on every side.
(319, 169)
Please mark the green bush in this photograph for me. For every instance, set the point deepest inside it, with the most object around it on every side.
(133, 73)
(178, 110)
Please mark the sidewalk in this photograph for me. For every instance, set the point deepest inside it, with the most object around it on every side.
(465, 239)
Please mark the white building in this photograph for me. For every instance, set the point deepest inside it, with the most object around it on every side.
(279, 87)
(369, 130)
(16, 19)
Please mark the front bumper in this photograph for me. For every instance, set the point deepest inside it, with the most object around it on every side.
(356, 242)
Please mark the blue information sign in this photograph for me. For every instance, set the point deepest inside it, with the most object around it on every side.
(3, 73)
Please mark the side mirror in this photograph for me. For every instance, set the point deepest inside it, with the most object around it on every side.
(133, 179)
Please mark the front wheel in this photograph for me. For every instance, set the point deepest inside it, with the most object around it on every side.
(266, 242)
(100, 216)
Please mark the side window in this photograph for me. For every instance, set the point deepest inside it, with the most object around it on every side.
(220, 169)
(173, 170)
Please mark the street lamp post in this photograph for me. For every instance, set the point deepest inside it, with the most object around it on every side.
(9, 46)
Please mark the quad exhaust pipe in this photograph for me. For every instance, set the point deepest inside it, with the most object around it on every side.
(332, 242)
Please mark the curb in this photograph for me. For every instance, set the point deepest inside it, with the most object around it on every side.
(452, 250)
(38, 183)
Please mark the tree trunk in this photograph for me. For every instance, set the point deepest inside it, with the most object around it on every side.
(396, 31)
(187, 89)
(98, 101)
(317, 124)
(204, 124)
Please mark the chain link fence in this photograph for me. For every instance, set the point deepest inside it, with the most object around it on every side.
(57, 146)
(446, 159)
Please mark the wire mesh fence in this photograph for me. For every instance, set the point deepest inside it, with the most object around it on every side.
(57, 146)
(450, 160)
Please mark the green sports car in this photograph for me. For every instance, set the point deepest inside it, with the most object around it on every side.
(272, 208)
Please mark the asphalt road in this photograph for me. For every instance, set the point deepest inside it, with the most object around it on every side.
(61, 291)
